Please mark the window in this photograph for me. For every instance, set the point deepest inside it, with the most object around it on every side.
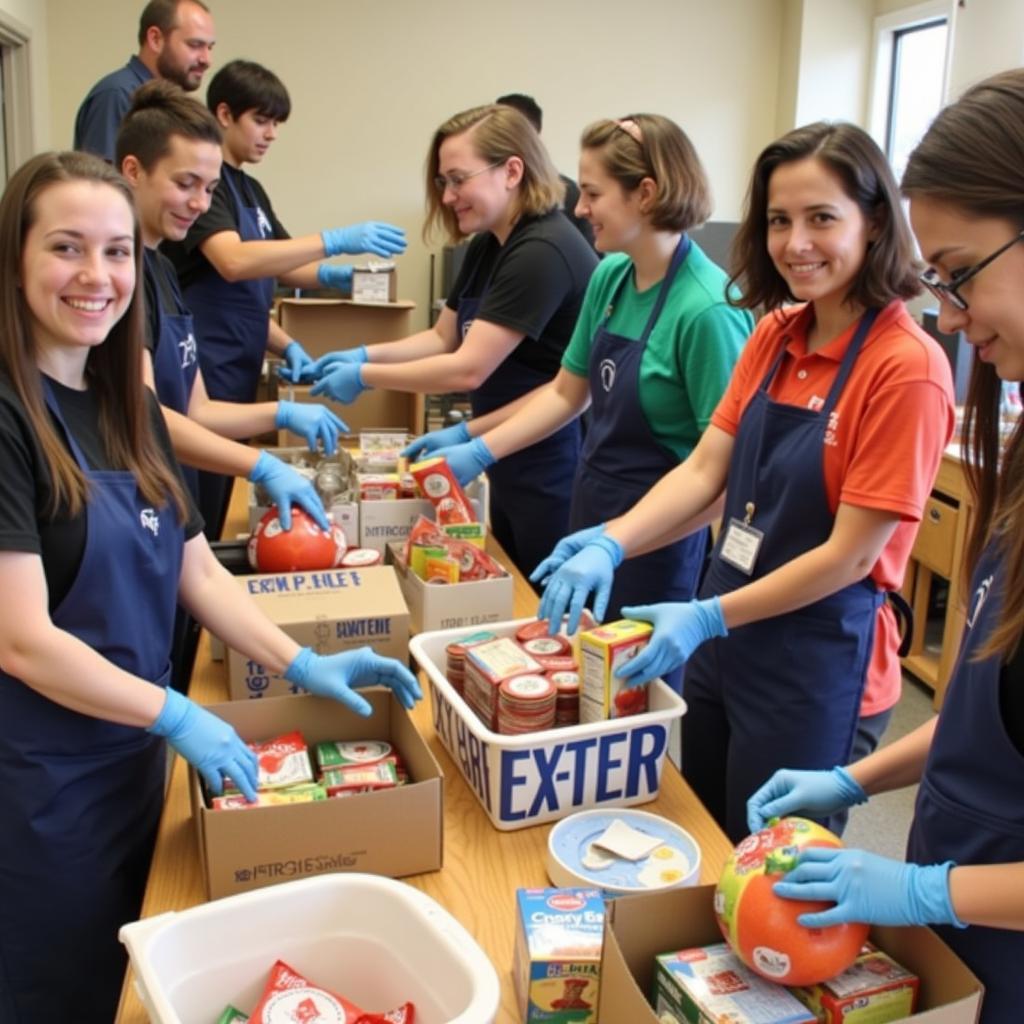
(909, 79)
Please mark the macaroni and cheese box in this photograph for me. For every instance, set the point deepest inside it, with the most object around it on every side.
(558, 954)
(603, 649)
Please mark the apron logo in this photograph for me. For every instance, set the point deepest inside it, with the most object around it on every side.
(980, 597)
(263, 222)
(832, 429)
(150, 521)
(188, 350)
(465, 328)
(607, 372)
(815, 404)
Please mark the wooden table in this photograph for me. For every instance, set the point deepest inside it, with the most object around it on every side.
(482, 866)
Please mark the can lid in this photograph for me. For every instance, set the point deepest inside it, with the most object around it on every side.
(360, 556)
(528, 688)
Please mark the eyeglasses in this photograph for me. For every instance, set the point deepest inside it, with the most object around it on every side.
(949, 291)
(457, 179)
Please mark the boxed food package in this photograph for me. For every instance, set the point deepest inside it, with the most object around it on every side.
(604, 649)
(447, 606)
(395, 831)
(874, 989)
(711, 983)
(330, 611)
(558, 954)
(535, 777)
(639, 928)
(376, 282)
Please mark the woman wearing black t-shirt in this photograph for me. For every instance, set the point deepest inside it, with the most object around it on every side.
(505, 326)
(98, 541)
(964, 870)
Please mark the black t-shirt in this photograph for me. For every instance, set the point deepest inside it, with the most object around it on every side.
(160, 287)
(27, 490)
(1011, 697)
(188, 261)
(534, 283)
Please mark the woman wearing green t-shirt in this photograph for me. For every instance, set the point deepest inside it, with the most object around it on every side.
(652, 352)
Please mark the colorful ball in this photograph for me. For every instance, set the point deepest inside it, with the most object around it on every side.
(305, 546)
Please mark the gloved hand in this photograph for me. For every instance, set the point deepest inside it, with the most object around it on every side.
(335, 275)
(803, 792)
(299, 363)
(590, 569)
(343, 382)
(467, 461)
(564, 550)
(336, 676)
(371, 236)
(679, 629)
(207, 742)
(345, 356)
(869, 888)
(313, 422)
(286, 487)
(428, 444)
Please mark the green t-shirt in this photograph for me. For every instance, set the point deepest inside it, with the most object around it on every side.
(692, 349)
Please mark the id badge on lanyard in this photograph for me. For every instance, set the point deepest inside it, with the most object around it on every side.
(742, 542)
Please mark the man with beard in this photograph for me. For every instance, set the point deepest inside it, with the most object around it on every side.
(175, 40)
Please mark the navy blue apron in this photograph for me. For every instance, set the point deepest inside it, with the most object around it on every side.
(622, 460)
(530, 489)
(784, 692)
(80, 798)
(232, 319)
(970, 807)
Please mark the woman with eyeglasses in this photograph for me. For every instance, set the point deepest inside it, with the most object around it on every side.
(964, 873)
(825, 446)
(505, 324)
(651, 354)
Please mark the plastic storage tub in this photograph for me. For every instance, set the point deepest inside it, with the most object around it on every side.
(543, 776)
(373, 940)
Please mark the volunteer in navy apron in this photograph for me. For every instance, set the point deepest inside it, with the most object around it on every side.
(622, 459)
(796, 583)
(507, 317)
(791, 684)
(83, 796)
(964, 868)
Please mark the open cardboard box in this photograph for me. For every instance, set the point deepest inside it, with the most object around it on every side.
(638, 928)
(393, 832)
(330, 610)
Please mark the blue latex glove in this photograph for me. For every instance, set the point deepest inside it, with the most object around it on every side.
(207, 742)
(346, 356)
(314, 422)
(337, 675)
(590, 569)
(335, 275)
(467, 461)
(428, 444)
(286, 487)
(802, 792)
(869, 888)
(679, 629)
(564, 550)
(343, 382)
(299, 363)
(371, 236)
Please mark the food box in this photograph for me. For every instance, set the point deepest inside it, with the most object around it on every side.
(536, 777)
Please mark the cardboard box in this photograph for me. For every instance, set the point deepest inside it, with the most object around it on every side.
(329, 610)
(327, 325)
(392, 832)
(638, 928)
(451, 605)
(375, 283)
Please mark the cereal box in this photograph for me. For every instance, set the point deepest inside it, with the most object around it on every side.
(710, 983)
(602, 650)
(874, 989)
(558, 954)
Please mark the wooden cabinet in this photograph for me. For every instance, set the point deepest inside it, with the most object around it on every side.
(937, 558)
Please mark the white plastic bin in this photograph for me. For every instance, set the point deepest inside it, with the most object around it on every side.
(373, 940)
(543, 776)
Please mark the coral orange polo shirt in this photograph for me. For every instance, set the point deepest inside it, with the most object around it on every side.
(882, 449)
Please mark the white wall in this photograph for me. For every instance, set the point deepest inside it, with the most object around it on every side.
(988, 36)
(32, 15)
(370, 82)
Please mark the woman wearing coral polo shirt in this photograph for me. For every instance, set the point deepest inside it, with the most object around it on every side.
(826, 445)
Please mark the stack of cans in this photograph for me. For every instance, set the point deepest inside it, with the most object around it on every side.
(526, 704)
(488, 665)
(456, 652)
(567, 699)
